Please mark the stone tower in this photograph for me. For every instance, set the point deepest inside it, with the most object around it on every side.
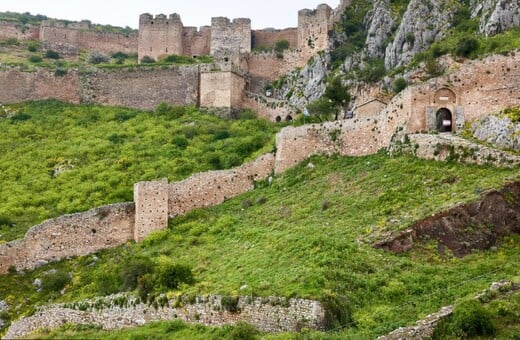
(160, 35)
(313, 29)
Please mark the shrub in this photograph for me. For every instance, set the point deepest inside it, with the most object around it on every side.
(466, 46)
(469, 319)
(20, 117)
(61, 71)
(106, 282)
(433, 68)
(399, 85)
(133, 269)
(337, 310)
(172, 112)
(96, 57)
(120, 55)
(32, 47)
(243, 331)
(55, 281)
(180, 141)
(145, 285)
(179, 59)
(229, 303)
(35, 59)
(173, 275)
(52, 54)
(147, 60)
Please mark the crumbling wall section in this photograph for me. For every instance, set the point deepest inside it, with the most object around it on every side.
(196, 42)
(313, 29)
(214, 187)
(70, 235)
(15, 30)
(268, 314)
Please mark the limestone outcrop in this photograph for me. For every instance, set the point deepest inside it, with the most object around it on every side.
(496, 16)
(499, 130)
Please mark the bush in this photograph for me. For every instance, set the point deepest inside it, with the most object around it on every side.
(32, 47)
(433, 68)
(55, 281)
(179, 59)
(469, 319)
(50, 54)
(243, 331)
(133, 269)
(337, 310)
(61, 71)
(173, 275)
(120, 55)
(145, 285)
(147, 60)
(466, 46)
(97, 58)
(399, 85)
(229, 303)
(35, 59)
(172, 112)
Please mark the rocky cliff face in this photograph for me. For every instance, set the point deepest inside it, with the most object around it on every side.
(395, 31)
(496, 16)
(423, 23)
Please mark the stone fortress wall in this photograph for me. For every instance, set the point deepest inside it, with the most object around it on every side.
(155, 202)
(75, 37)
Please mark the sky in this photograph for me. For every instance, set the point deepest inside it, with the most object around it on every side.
(263, 13)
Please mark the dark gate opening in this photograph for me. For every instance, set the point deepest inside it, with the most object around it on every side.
(444, 120)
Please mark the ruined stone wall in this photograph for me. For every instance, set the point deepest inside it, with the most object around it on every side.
(70, 235)
(17, 86)
(268, 108)
(313, 28)
(10, 29)
(221, 89)
(234, 36)
(196, 42)
(143, 87)
(271, 314)
(160, 36)
(214, 187)
(268, 37)
(74, 38)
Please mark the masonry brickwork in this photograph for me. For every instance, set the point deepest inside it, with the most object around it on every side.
(313, 28)
(221, 89)
(269, 37)
(18, 86)
(268, 314)
(14, 30)
(160, 36)
(143, 87)
(76, 37)
(70, 235)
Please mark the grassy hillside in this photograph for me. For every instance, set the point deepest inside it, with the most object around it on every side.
(308, 234)
(57, 158)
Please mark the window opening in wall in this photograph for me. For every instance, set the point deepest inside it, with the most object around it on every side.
(444, 120)
(278, 119)
(288, 118)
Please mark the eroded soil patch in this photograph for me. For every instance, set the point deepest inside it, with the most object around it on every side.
(474, 226)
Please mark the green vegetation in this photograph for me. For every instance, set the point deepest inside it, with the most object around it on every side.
(22, 18)
(399, 84)
(308, 234)
(335, 98)
(57, 158)
(158, 330)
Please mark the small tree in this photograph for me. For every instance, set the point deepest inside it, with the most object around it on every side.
(399, 85)
(50, 54)
(338, 94)
(321, 108)
(466, 45)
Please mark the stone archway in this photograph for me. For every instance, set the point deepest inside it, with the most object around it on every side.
(444, 121)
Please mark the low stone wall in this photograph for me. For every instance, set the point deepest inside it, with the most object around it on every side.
(214, 187)
(441, 147)
(270, 314)
(70, 235)
(346, 138)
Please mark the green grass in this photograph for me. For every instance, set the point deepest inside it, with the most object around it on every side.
(57, 158)
(310, 234)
